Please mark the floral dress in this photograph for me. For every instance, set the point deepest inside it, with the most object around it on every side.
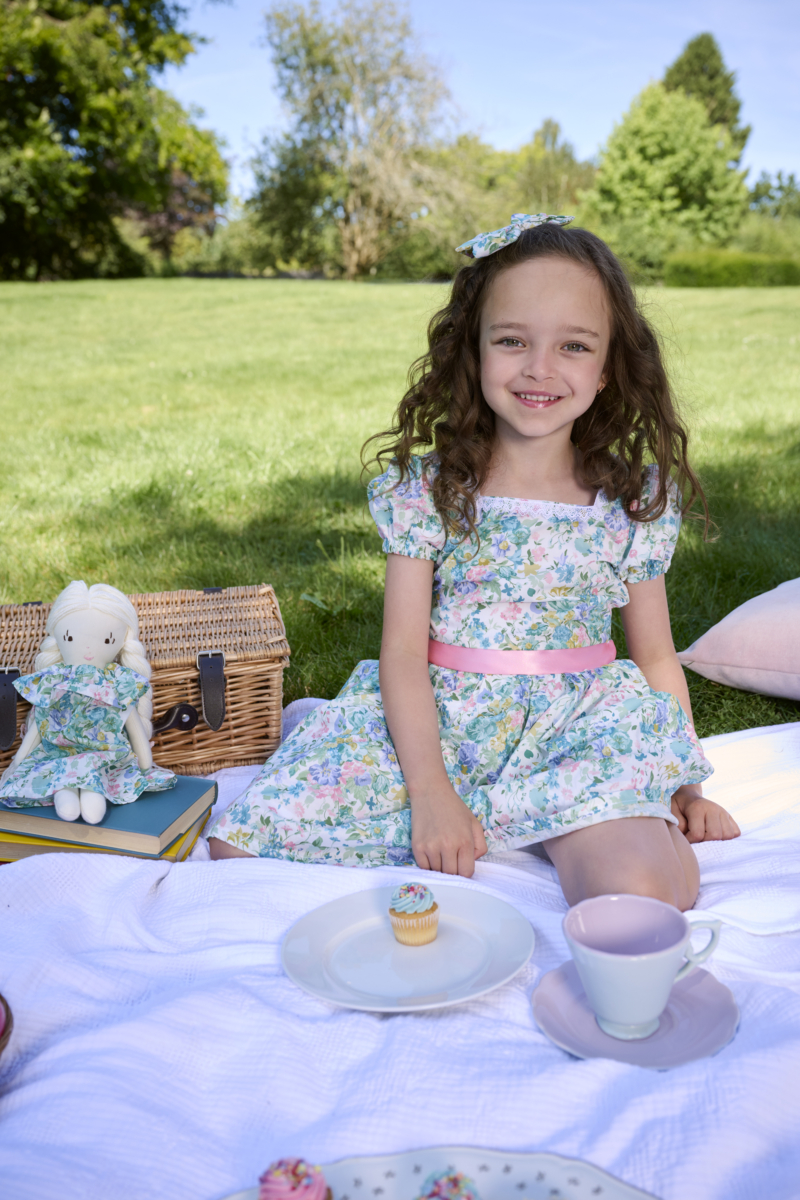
(80, 713)
(533, 756)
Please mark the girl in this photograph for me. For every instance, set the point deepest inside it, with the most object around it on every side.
(499, 715)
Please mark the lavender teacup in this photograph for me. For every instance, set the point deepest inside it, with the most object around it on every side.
(628, 952)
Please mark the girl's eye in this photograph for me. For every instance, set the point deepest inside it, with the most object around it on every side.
(574, 346)
(510, 341)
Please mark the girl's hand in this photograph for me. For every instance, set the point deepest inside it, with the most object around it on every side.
(702, 820)
(445, 836)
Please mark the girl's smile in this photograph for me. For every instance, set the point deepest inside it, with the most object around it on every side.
(537, 399)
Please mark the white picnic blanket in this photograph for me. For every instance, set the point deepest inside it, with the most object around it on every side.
(159, 1051)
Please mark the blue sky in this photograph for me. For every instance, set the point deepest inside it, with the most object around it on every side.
(511, 63)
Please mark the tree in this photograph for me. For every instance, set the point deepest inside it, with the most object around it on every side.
(778, 197)
(550, 177)
(193, 169)
(339, 188)
(85, 136)
(481, 187)
(700, 71)
(665, 174)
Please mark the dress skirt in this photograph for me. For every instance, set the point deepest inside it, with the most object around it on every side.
(532, 756)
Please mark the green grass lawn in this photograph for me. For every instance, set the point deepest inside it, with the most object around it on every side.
(186, 433)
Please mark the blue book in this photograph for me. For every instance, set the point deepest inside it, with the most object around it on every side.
(148, 826)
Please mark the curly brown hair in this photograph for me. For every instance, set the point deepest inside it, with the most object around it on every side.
(631, 422)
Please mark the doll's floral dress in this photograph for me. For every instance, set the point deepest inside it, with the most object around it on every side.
(533, 756)
(80, 713)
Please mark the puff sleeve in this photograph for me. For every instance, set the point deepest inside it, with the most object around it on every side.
(404, 511)
(651, 544)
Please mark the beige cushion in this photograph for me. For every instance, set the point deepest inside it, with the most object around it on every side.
(756, 647)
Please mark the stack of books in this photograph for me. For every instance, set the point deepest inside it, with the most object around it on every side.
(157, 825)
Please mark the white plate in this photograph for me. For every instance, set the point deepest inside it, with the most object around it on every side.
(345, 952)
(496, 1175)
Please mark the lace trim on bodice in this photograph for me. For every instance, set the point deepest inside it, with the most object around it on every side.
(511, 504)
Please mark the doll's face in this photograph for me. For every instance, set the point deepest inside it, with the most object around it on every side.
(89, 637)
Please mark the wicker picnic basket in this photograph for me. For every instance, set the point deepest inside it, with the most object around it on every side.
(217, 658)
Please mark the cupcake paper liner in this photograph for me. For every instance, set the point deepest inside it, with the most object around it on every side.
(415, 929)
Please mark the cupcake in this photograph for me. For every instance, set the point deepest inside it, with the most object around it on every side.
(293, 1179)
(448, 1185)
(414, 914)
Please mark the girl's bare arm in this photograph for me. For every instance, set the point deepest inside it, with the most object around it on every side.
(647, 630)
(445, 836)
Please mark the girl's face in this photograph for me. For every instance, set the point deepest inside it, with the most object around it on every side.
(544, 338)
(89, 637)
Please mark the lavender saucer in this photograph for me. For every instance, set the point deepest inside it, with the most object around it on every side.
(700, 1018)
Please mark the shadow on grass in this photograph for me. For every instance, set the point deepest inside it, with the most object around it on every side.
(310, 536)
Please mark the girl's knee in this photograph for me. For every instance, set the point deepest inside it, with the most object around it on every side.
(636, 857)
(670, 887)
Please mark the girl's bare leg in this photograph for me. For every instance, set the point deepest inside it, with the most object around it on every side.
(220, 849)
(642, 856)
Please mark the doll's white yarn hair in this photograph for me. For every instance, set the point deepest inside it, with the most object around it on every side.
(77, 597)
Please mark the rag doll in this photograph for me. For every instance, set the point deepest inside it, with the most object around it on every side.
(88, 738)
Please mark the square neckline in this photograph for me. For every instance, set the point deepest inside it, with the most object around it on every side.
(513, 503)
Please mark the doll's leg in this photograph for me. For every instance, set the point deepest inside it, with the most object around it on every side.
(642, 856)
(68, 804)
(93, 806)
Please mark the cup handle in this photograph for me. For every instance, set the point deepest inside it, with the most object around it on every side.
(699, 956)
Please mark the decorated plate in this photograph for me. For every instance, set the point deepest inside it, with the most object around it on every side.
(495, 1174)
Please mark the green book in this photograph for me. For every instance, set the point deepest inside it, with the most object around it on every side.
(147, 826)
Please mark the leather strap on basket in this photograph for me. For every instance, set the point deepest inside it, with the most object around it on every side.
(211, 665)
(180, 716)
(8, 707)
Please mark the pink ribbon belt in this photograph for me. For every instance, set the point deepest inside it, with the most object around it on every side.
(520, 662)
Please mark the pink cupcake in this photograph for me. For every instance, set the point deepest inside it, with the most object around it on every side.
(293, 1179)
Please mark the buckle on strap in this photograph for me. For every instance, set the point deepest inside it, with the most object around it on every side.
(211, 668)
(181, 716)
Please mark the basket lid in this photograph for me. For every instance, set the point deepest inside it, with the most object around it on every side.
(244, 622)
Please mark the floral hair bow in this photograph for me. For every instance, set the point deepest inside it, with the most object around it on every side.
(485, 244)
